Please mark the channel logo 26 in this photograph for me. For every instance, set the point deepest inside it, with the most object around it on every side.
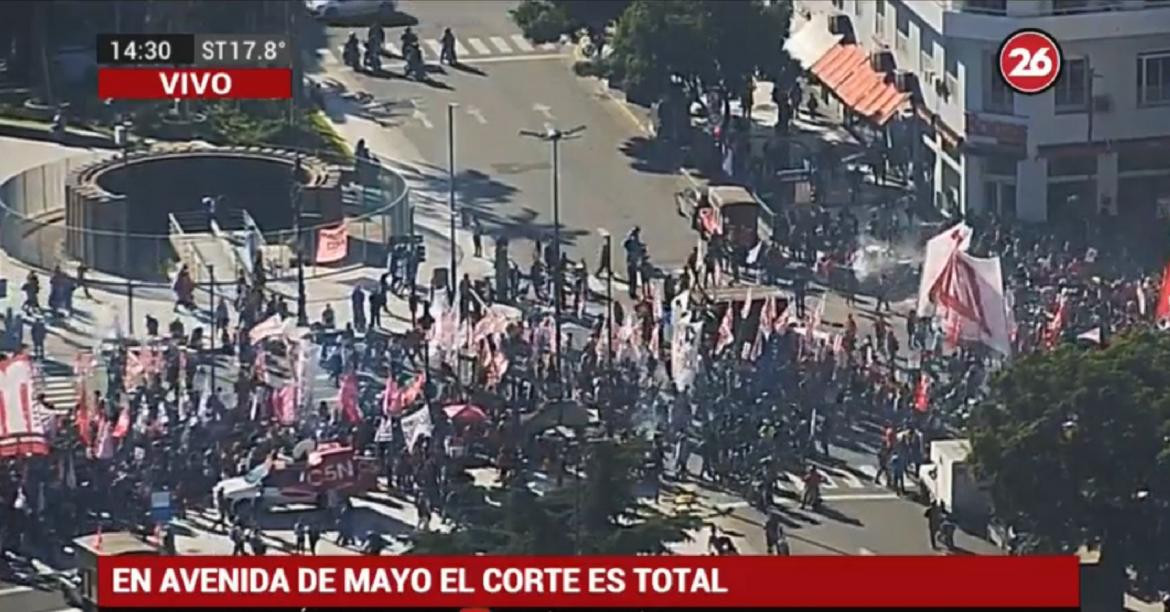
(1030, 61)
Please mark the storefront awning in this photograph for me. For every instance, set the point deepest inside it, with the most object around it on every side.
(846, 70)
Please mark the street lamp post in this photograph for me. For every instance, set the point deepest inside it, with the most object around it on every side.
(608, 294)
(554, 136)
(211, 283)
(295, 195)
(451, 194)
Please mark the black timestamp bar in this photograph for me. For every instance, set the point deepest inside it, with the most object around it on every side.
(145, 49)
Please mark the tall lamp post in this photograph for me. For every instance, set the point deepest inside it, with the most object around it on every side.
(295, 195)
(554, 136)
(451, 194)
(608, 237)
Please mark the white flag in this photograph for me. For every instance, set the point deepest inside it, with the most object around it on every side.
(268, 328)
(417, 425)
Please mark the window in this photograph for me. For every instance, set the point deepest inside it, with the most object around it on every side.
(1000, 165)
(1072, 166)
(926, 56)
(1153, 79)
(1072, 89)
(952, 74)
(879, 19)
(997, 98)
(857, 7)
(902, 40)
(994, 7)
(839, 4)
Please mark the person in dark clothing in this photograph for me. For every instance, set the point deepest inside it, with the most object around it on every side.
(377, 304)
(477, 236)
(934, 518)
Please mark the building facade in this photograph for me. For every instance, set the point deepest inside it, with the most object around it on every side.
(1098, 142)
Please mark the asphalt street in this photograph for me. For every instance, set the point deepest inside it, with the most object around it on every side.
(22, 598)
(506, 85)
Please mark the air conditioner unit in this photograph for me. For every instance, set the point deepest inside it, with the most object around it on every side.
(1102, 103)
(881, 61)
(839, 24)
(905, 81)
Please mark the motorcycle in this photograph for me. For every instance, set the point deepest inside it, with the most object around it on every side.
(350, 54)
(415, 68)
(373, 58)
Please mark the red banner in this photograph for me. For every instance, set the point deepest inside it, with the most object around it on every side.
(635, 581)
(198, 83)
(332, 244)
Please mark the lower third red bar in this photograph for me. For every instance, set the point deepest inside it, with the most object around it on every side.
(198, 83)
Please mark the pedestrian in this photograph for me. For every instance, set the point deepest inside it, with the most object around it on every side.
(912, 329)
(377, 304)
(477, 236)
(301, 531)
(237, 537)
(358, 307)
(603, 260)
(933, 516)
(31, 289)
(314, 537)
(882, 294)
(38, 333)
(898, 471)
(82, 283)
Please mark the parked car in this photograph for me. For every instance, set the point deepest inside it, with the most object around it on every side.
(334, 9)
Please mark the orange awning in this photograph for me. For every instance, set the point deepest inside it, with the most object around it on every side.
(846, 70)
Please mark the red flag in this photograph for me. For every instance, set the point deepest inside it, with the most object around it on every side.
(922, 393)
(349, 398)
(1052, 331)
(82, 418)
(122, 427)
(391, 402)
(411, 393)
(284, 405)
(1162, 311)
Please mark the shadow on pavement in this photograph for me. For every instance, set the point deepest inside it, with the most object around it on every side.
(647, 155)
(461, 67)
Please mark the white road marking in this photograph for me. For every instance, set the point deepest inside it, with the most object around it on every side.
(851, 481)
(14, 590)
(827, 481)
(435, 46)
(499, 43)
(392, 49)
(548, 46)
(421, 117)
(866, 552)
(476, 114)
(860, 496)
(522, 43)
(459, 48)
(544, 110)
(513, 58)
(548, 127)
(795, 480)
(478, 45)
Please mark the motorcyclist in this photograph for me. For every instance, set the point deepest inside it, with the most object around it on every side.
(350, 55)
(376, 35)
(409, 39)
(414, 63)
(373, 57)
(812, 489)
(448, 52)
(774, 534)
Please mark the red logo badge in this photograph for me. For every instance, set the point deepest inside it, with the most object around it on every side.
(1030, 61)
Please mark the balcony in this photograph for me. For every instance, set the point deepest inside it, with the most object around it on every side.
(1043, 8)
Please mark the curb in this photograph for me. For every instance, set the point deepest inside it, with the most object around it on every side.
(43, 133)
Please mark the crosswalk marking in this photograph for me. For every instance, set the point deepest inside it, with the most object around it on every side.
(393, 49)
(479, 46)
(501, 44)
(460, 49)
(435, 45)
(522, 42)
(548, 46)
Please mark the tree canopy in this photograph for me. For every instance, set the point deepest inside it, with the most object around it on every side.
(547, 20)
(600, 514)
(706, 43)
(1075, 444)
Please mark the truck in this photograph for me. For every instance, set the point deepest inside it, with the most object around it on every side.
(950, 479)
(281, 481)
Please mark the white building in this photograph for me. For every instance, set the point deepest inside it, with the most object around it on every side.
(1098, 141)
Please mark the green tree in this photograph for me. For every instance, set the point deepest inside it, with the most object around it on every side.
(1076, 447)
(706, 43)
(547, 20)
(601, 514)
